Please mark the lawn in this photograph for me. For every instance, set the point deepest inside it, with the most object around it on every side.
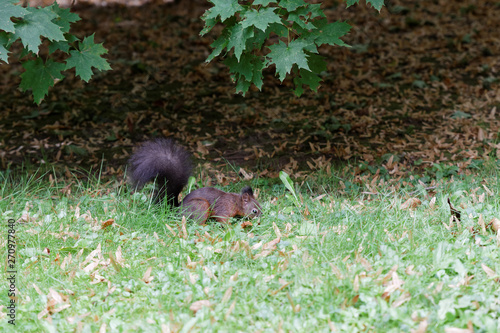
(331, 253)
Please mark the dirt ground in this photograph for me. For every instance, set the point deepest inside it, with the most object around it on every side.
(420, 83)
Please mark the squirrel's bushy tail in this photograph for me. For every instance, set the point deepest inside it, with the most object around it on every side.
(163, 160)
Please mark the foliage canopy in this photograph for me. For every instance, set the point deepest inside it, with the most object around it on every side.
(34, 25)
(285, 34)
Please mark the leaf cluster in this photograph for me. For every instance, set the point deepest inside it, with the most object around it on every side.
(285, 34)
(34, 25)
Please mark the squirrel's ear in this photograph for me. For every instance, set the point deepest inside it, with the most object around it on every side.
(247, 190)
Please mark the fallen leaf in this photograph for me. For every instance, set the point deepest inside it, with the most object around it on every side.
(491, 273)
(147, 275)
(196, 306)
(107, 223)
(411, 203)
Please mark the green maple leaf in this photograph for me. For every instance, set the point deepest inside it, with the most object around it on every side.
(300, 17)
(316, 63)
(260, 19)
(258, 66)
(218, 45)
(65, 17)
(291, 5)
(256, 42)
(209, 24)
(62, 45)
(329, 33)
(246, 71)
(243, 67)
(377, 4)
(35, 24)
(87, 56)
(223, 8)
(8, 10)
(242, 85)
(4, 52)
(263, 3)
(316, 11)
(238, 38)
(308, 78)
(40, 76)
(285, 56)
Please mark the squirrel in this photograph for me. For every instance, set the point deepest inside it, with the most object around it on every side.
(167, 163)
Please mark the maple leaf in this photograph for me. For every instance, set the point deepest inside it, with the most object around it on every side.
(308, 78)
(242, 66)
(87, 56)
(295, 16)
(65, 17)
(377, 4)
(260, 19)
(316, 63)
(62, 45)
(246, 71)
(291, 5)
(8, 10)
(4, 53)
(209, 24)
(237, 39)
(40, 76)
(38, 22)
(285, 56)
(223, 8)
(219, 45)
(264, 3)
(256, 42)
(315, 11)
(330, 33)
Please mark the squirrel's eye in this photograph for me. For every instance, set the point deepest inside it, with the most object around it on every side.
(254, 211)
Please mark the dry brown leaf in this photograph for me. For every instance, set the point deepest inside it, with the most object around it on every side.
(491, 273)
(276, 230)
(246, 224)
(209, 273)
(494, 224)
(272, 244)
(229, 310)
(184, 233)
(432, 203)
(422, 327)
(171, 230)
(482, 225)
(411, 203)
(227, 294)
(355, 284)
(107, 223)
(196, 306)
(147, 278)
(404, 297)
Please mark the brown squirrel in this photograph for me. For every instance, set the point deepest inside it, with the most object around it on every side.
(170, 165)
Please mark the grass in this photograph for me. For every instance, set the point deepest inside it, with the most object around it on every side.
(334, 260)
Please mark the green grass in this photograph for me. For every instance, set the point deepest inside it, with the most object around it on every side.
(346, 260)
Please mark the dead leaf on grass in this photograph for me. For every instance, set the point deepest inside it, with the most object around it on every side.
(198, 305)
(491, 273)
(411, 203)
(494, 224)
(147, 278)
(107, 223)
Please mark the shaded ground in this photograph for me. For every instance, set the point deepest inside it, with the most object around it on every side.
(421, 82)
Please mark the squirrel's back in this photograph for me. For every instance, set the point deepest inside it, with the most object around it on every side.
(161, 159)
